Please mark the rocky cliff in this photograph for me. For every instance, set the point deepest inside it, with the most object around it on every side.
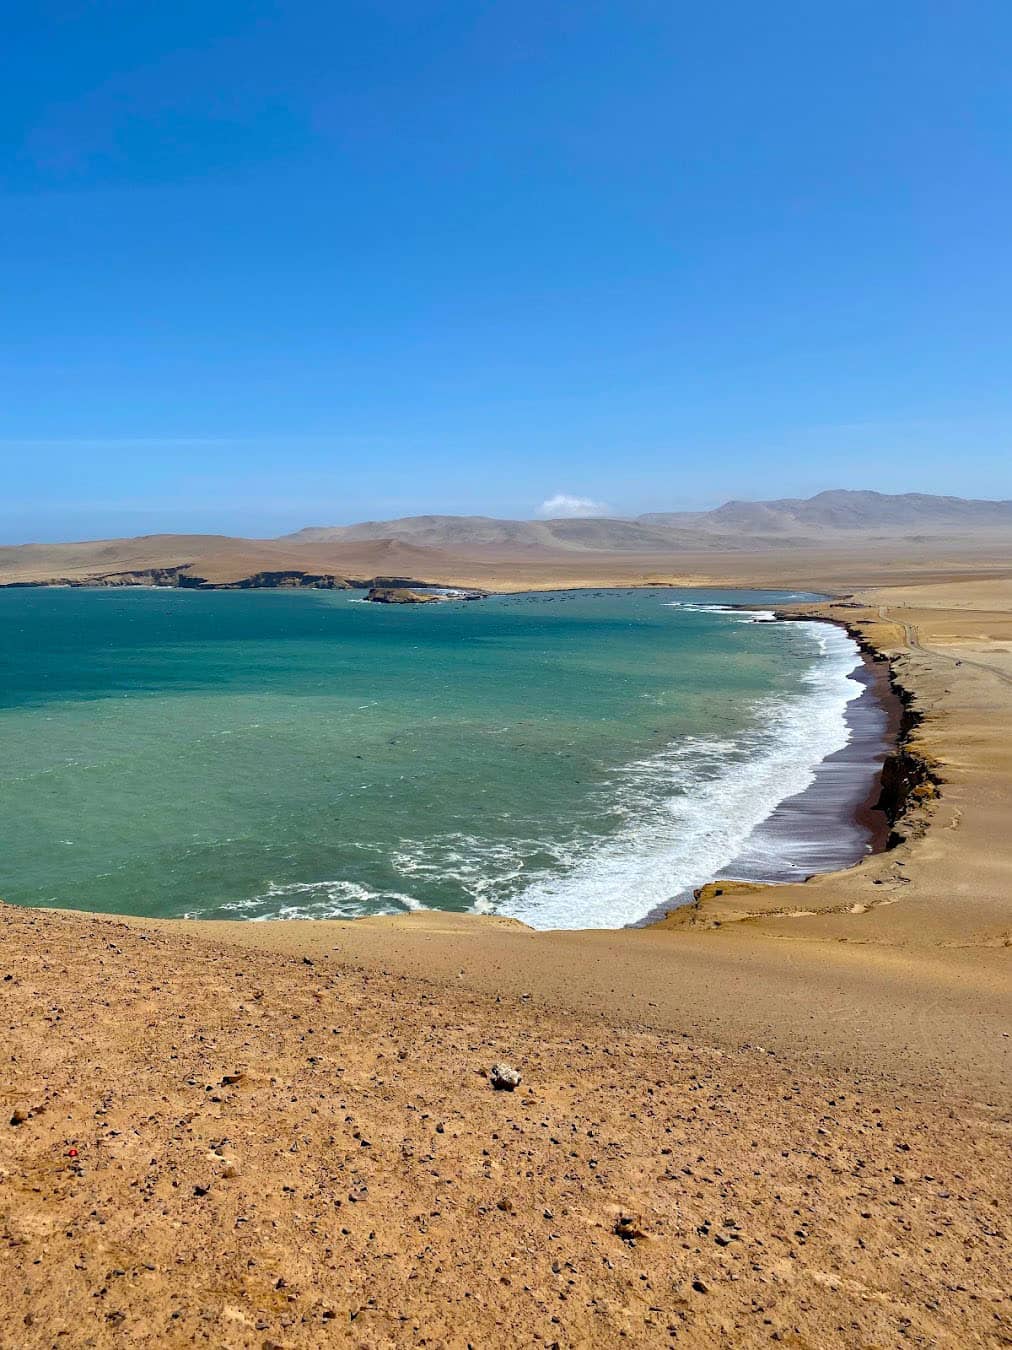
(184, 578)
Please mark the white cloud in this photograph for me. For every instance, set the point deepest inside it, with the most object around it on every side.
(572, 508)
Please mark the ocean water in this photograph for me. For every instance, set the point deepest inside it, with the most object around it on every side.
(573, 759)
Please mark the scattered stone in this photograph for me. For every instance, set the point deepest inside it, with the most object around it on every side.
(19, 1115)
(627, 1227)
(504, 1078)
(700, 1286)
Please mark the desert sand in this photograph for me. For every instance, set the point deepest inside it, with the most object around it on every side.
(779, 1115)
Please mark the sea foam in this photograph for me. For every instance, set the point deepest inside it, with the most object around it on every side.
(314, 900)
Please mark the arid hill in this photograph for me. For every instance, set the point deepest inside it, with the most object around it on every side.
(736, 526)
(846, 512)
(739, 542)
(189, 560)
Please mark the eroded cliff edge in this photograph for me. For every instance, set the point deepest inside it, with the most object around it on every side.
(185, 577)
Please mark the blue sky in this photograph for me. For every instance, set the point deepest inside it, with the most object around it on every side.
(270, 264)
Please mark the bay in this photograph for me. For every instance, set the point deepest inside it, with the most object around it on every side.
(570, 758)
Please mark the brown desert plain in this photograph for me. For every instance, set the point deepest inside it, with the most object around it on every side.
(779, 1115)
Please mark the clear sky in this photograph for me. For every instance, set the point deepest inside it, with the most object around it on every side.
(274, 264)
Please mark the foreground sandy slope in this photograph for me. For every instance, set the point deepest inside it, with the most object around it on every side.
(284, 1134)
(233, 1147)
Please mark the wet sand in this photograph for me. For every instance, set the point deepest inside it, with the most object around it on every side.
(839, 818)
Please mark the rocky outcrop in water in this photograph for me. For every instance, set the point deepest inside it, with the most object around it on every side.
(410, 593)
(399, 595)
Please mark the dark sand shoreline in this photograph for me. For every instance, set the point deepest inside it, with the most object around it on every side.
(836, 821)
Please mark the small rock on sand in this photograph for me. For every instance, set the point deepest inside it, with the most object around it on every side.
(504, 1078)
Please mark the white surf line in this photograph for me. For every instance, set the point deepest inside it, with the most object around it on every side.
(718, 792)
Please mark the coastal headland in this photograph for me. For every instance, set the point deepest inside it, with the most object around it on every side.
(779, 1114)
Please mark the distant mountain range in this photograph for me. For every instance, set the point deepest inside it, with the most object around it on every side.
(789, 521)
(486, 550)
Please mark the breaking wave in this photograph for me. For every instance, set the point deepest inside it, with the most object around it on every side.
(314, 900)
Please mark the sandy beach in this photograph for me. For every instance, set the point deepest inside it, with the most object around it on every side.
(779, 1114)
(844, 814)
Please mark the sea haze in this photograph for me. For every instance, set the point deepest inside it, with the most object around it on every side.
(573, 759)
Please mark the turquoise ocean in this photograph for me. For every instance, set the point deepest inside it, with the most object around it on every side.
(573, 759)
